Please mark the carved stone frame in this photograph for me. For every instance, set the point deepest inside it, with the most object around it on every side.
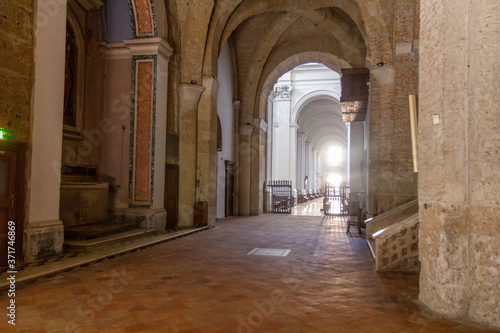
(76, 131)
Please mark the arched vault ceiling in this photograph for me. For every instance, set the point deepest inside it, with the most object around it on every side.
(273, 74)
(265, 40)
(321, 122)
(229, 14)
(194, 18)
(206, 25)
(372, 19)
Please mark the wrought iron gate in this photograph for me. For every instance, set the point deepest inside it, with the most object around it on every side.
(336, 200)
(281, 196)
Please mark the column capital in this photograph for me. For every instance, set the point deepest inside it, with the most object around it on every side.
(246, 130)
(135, 47)
(294, 125)
(283, 93)
(190, 95)
(260, 123)
(149, 46)
(384, 75)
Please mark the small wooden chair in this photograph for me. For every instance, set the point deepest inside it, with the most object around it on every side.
(355, 221)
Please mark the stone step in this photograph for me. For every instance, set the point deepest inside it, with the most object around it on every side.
(96, 230)
(101, 241)
(371, 245)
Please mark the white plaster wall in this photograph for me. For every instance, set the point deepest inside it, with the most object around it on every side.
(225, 113)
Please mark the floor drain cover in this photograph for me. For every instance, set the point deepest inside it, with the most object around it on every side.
(269, 252)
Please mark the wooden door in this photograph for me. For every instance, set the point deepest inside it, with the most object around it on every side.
(172, 195)
(230, 166)
(11, 202)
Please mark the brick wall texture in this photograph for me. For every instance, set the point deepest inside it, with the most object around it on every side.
(16, 66)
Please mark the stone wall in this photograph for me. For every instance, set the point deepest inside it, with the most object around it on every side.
(16, 67)
(391, 180)
(459, 169)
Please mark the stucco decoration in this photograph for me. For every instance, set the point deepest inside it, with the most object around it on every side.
(283, 92)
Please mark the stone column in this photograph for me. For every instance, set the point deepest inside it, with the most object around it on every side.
(275, 152)
(244, 170)
(307, 163)
(281, 153)
(459, 172)
(207, 146)
(270, 139)
(258, 172)
(300, 161)
(293, 154)
(188, 127)
(44, 234)
(148, 132)
(348, 162)
(320, 172)
(313, 167)
(236, 152)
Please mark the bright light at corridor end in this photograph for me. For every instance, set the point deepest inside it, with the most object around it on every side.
(334, 179)
(334, 156)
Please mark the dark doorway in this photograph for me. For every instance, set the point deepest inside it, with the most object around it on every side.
(172, 195)
(11, 203)
(230, 168)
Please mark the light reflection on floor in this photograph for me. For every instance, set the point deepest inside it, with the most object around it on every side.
(310, 208)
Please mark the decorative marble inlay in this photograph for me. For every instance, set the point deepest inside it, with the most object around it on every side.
(143, 131)
(143, 18)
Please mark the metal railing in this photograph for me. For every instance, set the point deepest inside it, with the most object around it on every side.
(281, 194)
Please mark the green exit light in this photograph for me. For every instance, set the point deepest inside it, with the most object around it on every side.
(6, 134)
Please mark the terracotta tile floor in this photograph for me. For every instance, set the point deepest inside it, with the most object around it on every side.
(206, 282)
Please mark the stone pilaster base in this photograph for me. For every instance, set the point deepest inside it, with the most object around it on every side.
(149, 219)
(43, 239)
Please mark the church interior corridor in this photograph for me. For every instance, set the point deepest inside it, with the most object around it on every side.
(208, 282)
(249, 165)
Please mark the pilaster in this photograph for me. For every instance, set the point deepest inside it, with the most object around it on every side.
(258, 172)
(307, 164)
(188, 132)
(44, 231)
(244, 171)
(148, 122)
(293, 155)
(207, 147)
(300, 160)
